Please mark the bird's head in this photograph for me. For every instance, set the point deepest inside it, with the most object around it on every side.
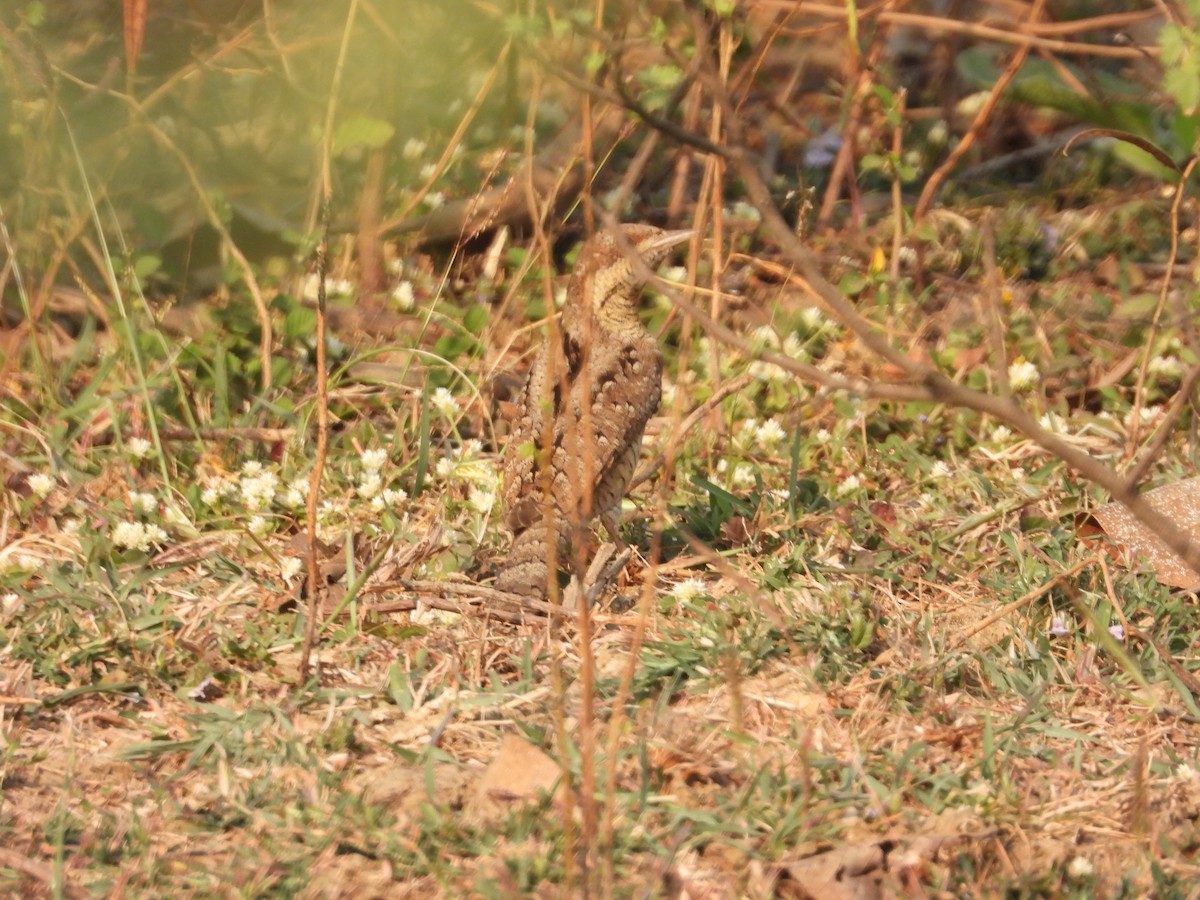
(606, 279)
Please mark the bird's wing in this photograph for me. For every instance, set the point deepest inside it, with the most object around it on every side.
(624, 385)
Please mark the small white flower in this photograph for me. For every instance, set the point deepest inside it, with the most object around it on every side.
(402, 294)
(1052, 421)
(813, 319)
(746, 432)
(290, 567)
(9, 603)
(470, 449)
(327, 510)
(374, 460)
(849, 485)
(481, 499)
(414, 148)
(338, 287)
(793, 346)
(677, 274)
(821, 436)
(743, 476)
(252, 467)
(938, 133)
(771, 434)
(1001, 434)
(1023, 375)
(210, 496)
(70, 526)
(1165, 368)
(138, 447)
(1184, 772)
(939, 470)
(668, 395)
(1017, 473)
(370, 485)
(691, 589)
(1080, 868)
(434, 199)
(766, 371)
(137, 535)
(377, 504)
(1143, 416)
(764, 337)
(560, 296)
(41, 484)
(258, 526)
(258, 490)
(443, 468)
(296, 494)
(744, 210)
(143, 502)
(428, 171)
(443, 401)
(394, 497)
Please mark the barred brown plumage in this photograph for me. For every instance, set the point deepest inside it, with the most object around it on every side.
(594, 390)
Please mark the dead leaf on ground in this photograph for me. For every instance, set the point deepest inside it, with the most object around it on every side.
(892, 866)
(518, 775)
(1181, 504)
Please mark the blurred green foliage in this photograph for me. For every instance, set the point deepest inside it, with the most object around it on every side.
(233, 91)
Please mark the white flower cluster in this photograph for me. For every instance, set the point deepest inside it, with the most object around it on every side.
(1165, 368)
(1145, 415)
(402, 296)
(691, 589)
(41, 484)
(443, 401)
(1023, 375)
(371, 484)
(138, 535)
(138, 447)
(740, 476)
(257, 486)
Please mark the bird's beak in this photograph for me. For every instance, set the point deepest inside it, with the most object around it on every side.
(669, 239)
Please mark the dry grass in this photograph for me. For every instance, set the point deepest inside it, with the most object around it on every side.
(871, 657)
(823, 682)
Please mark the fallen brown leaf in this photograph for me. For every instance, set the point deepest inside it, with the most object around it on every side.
(1180, 503)
(518, 775)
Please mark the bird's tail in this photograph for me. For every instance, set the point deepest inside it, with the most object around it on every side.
(526, 569)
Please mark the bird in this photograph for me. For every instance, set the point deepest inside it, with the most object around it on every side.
(586, 400)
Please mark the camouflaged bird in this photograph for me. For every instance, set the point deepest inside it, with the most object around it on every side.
(594, 388)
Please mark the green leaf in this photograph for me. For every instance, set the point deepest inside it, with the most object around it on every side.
(853, 283)
(476, 318)
(1181, 66)
(361, 131)
(299, 322)
(592, 62)
(661, 77)
(145, 266)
